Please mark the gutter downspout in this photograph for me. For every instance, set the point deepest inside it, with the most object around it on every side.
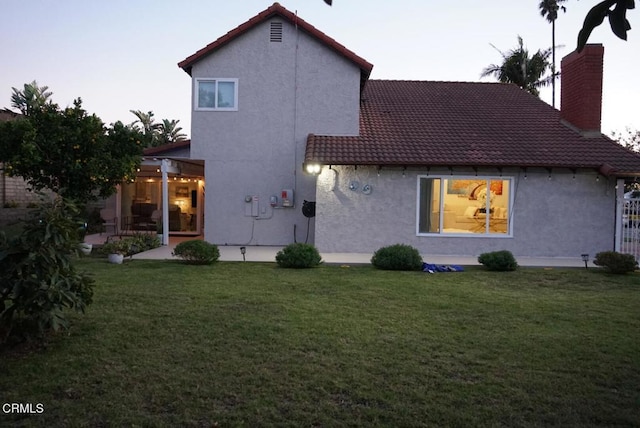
(617, 244)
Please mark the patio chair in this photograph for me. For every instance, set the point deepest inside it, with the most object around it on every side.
(156, 218)
(109, 219)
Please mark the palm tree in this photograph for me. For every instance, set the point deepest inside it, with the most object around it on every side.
(149, 128)
(146, 120)
(549, 9)
(522, 70)
(170, 132)
(31, 97)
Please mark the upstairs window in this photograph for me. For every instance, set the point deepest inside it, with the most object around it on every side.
(217, 94)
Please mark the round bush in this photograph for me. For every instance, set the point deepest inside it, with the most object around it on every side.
(298, 256)
(616, 262)
(144, 242)
(498, 260)
(397, 257)
(197, 252)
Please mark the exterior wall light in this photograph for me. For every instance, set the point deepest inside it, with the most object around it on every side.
(312, 168)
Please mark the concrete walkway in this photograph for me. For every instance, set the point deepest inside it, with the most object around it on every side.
(268, 254)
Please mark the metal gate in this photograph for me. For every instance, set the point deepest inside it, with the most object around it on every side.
(630, 243)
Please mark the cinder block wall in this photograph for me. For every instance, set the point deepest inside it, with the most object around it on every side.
(14, 190)
(15, 199)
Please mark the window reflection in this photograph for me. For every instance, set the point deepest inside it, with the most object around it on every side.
(464, 205)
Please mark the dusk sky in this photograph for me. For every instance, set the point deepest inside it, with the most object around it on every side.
(122, 55)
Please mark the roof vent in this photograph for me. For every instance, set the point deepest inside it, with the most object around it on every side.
(276, 32)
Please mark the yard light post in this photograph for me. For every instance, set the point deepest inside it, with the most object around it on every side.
(243, 251)
(585, 259)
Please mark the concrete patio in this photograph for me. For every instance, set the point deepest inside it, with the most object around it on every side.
(268, 254)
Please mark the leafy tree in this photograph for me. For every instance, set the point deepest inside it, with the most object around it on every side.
(549, 9)
(37, 278)
(30, 98)
(69, 151)
(617, 19)
(170, 132)
(629, 139)
(521, 69)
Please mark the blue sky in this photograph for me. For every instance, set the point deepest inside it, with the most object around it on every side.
(121, 55)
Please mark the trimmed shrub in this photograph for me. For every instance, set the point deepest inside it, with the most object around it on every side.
(397, 257)
(137, 243)
(615, 262)
(120, 246)
(197, 252)
(143, 242)
(298, 256)
(498, 261)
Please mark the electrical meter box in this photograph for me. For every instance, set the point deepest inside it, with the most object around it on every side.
(251, 205)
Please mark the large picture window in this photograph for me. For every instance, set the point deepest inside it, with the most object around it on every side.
(216, 94)
(464, 205)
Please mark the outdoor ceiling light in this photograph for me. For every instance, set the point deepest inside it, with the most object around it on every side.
(312, 168)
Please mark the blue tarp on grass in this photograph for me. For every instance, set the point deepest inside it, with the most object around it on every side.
(430, 268)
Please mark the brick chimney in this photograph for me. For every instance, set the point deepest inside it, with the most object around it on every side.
(581, 88)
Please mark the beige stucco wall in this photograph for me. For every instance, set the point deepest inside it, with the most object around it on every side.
(285, 91)
(558, 217)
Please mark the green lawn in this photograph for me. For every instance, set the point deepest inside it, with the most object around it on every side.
(249, 344)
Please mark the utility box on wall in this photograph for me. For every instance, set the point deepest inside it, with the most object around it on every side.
(251, 206)
(287, 197)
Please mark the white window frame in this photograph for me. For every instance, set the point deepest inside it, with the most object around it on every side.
(217, 81)
(486, 234)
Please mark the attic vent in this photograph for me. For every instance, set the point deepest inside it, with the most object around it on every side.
(276, 32)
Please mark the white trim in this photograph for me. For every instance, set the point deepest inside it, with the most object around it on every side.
(165, 201)
(216, 80)
(441, 234)
(619, 214)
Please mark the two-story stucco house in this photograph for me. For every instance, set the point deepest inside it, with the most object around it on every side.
(258, 92)
(282, 114)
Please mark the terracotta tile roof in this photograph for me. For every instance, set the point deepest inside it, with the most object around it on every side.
(465, 124)
(7, 115)
(277, 9)
(166, 149)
